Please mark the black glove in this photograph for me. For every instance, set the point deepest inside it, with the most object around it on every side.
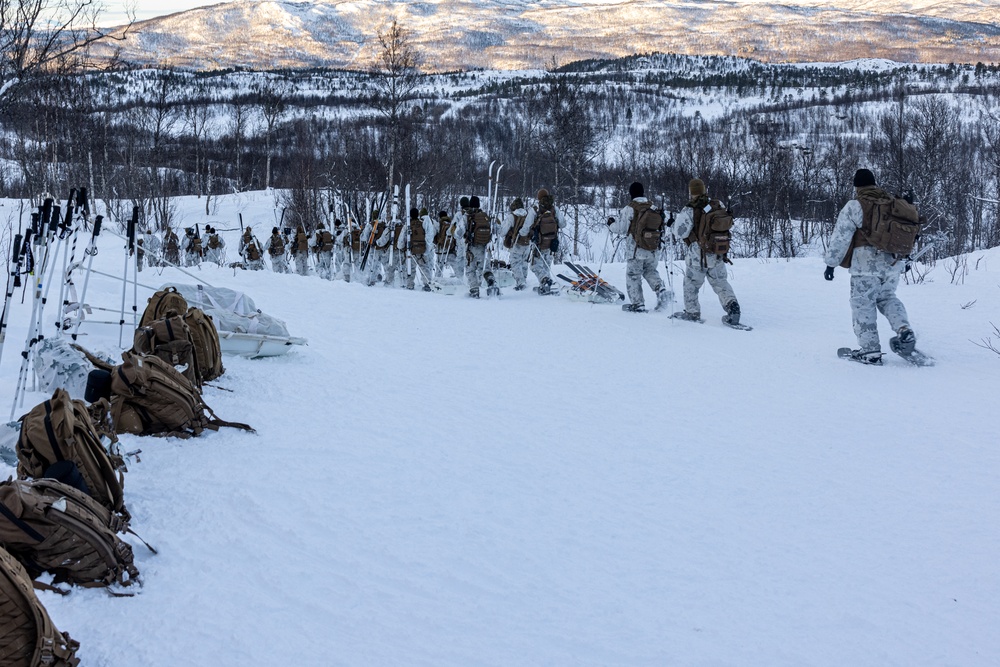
(828, 274)
(670, 221)
(611, 221)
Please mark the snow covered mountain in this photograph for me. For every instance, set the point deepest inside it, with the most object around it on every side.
(458, 34)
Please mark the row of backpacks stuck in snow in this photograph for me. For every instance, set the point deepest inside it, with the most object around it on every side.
(65, 513)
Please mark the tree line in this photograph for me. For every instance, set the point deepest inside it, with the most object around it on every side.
(778, 143)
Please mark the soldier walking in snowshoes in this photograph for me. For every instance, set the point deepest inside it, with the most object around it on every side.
(858, 245)
(641, 225)
(704, 226)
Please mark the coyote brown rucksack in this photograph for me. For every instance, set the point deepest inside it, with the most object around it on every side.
(60, 429)
(513, 236)
(170, 339)
(52, 527)
(161, 303)
(647, 226)
(480, 232)
(890, 224)
(28, 638)
(207, 349)
(149, 397)
(711, 229)
(547, 228)
(324, 241)
(418, 237)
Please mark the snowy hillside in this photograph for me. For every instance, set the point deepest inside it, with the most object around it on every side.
(462, 34)
(442, 481)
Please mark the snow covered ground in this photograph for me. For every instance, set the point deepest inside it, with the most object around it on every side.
(525, 481)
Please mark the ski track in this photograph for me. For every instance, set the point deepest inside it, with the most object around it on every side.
(442, 481)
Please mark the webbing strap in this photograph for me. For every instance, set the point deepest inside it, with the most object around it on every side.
(51, 433)
(14, 519)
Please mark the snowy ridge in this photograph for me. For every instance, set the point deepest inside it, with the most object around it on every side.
(461, 34)
(425, 488)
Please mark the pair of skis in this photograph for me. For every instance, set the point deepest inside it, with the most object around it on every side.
(590, 285)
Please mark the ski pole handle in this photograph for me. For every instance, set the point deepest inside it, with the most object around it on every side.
(97, 225)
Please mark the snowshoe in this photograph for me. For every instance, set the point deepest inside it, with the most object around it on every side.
(493, 291)
(687, 317)
(867, 358)
(474, 293)
(905, 346)
(737, 326)
(518, 288)
(634, 308)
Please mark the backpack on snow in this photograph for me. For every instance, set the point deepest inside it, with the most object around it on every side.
(711, 230)
(170, 339)
(480, 230)
(52, 527)
(207, 349)
(647, 226)
(161, 303)
(28, 638)
(149, 397)
(60, 429)
(547, 230)
(890, 224)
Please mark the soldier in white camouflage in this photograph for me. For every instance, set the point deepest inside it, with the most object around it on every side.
(874, 276)
(544, 222)
(478, 234)
(700, 266)
(323, 247)
(421, 232)
(516, 234)
(640, 262)
(276, 251)
(448, 245)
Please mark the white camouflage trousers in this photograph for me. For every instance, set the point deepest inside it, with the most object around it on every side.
(874, 278)
(643, 265)
(695, 275)
(378, 261)
(519, 263)
(542, 260)
(476, 262)
(324, 264)
(279, 263)
(301, 263)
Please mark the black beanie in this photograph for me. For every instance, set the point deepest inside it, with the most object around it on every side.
(464, 202)
(473, 202)
(414, 213)
(863, 177)
(274, 230)
(636, 190)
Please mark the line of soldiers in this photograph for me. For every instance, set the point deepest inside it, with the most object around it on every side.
(465, 245)
(192, 250)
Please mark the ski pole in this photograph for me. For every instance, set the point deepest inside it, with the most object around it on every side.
(13, 282)
(129, 249)
(91, 251)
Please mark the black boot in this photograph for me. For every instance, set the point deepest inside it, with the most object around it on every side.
(733, 313)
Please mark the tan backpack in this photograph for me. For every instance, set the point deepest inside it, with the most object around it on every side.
(207, 349)
(53, 527)
(172, 340)
(547, 228)
(890, 224)
(28, 638)
(647, 226)
(711, 229)
(513, 235)
(480, 231)
(60, 429)
(161, 303)
(149, 397)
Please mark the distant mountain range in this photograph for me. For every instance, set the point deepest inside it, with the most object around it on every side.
(503, 34)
